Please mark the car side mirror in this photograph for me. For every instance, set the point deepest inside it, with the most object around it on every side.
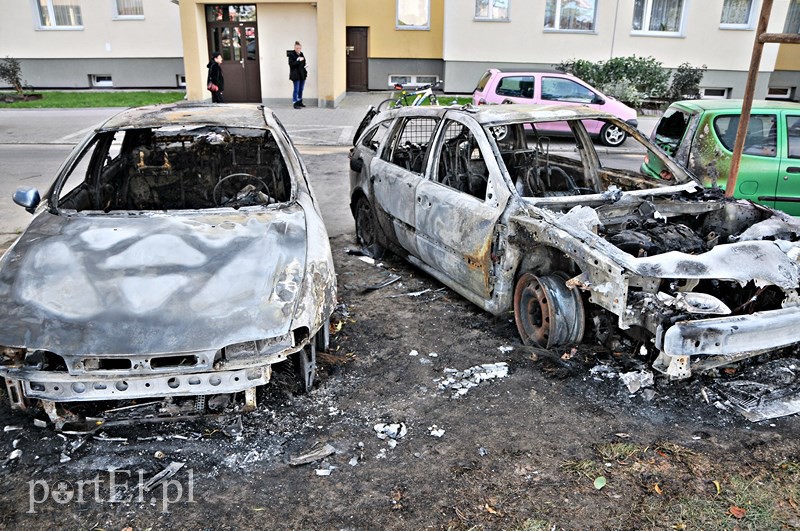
(28, 198)
(598, 100)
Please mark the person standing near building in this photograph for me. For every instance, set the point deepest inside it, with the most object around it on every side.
(216, 82)
(297, 73)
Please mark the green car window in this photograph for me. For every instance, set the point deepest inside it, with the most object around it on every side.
(670, 130)
(793, 133)
(762, 133)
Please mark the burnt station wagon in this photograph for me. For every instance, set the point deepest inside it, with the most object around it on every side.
(576, 242)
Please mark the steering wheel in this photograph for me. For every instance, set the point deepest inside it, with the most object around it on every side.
(247, 176)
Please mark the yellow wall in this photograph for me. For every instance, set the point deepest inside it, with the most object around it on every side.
(387, 42)
(788, 57)
(330, 83)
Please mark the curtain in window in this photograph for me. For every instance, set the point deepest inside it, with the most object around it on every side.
(736, 11)
(66, 13)
(493, 9)
(665, 15)
(413, 13)
(130, 8)
(570, 14)
(793, 18)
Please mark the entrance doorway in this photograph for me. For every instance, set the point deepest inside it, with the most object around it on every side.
(232, 31)
(357, 71)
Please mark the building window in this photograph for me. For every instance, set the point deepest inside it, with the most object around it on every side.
(59, 14)
(491, 9)
(793, 18)
(737, 14)
(181, 79)
(226, 13)
(411, 81)
(101, 80)
(779, 93)
(570, 15)
(413, 15)
(709, 93)
(128, 9)
(664, 17)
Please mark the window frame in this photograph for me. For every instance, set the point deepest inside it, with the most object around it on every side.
(557, 20)
(52, 15)
(490, 18)
(403, 27)
(749, 25)
(647, 16)
(115, 15)
(789, 137)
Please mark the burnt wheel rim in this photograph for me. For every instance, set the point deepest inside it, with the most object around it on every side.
(365, 229)
(547, 313)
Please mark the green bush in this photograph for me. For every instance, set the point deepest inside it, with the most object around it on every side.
(686, 82)
(629, 79)
(11, 73)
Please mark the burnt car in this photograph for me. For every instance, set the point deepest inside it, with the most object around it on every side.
(575, 240)
(179, 252)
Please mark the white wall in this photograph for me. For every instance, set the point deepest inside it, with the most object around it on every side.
(157, 35)
(279, 25)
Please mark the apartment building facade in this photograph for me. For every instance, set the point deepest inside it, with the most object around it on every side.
(94, 43)
(538, 34)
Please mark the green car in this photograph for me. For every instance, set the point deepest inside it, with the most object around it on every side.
(699, 135)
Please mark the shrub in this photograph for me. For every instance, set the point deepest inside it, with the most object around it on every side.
(686, 82)
(11, 73)
(629, 79)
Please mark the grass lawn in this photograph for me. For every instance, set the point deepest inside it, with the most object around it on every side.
(458, 100)
(67, 100)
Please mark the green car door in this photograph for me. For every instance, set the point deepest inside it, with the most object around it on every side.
(710, 156)
(788, 188)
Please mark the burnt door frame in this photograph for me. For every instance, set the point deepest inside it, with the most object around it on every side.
(357, 59)
(240, 58)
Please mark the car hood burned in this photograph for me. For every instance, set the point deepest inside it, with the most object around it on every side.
(152, 283)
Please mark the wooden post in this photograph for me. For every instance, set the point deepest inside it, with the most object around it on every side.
(747, 104)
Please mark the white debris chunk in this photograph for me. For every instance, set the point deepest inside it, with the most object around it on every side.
(636, 380)
(435, 431)
(353, 461)
(460, 382)
(603, 371)
(505, 349)
(413, 353)
(391, 431)
(325, 471)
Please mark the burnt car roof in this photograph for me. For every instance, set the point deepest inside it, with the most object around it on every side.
(515, 112)
(236, 115)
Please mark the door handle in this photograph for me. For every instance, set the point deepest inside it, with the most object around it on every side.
(793, 169)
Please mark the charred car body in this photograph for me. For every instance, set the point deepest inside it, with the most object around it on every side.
(179, 252)
(573, 239)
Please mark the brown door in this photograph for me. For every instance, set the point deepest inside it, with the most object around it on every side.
(238, 44)
(357, 59)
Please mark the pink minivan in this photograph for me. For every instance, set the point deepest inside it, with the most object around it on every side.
(549, 87)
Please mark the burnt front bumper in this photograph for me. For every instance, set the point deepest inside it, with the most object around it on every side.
(733, 337)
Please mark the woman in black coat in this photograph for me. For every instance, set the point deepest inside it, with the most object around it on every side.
(297, 73)
(215, 78)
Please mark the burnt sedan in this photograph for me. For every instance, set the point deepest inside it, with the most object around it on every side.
(179, 252)
(573, 239)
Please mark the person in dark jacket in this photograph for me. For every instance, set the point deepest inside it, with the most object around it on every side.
(215, 78)
(297, 73)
